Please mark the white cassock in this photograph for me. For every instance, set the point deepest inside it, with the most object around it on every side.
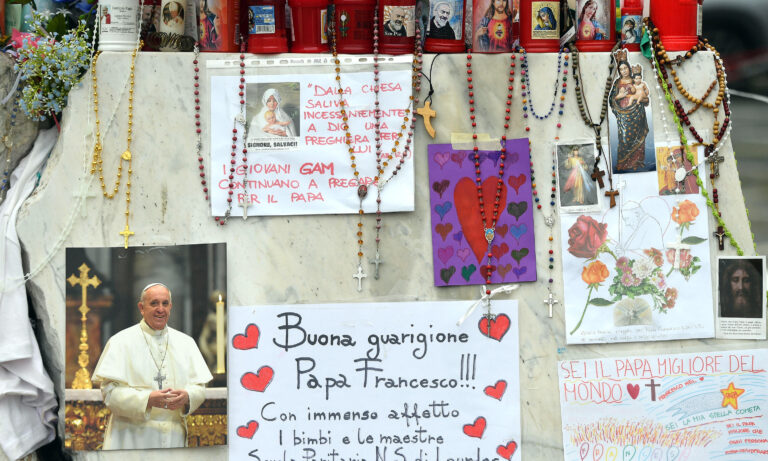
(127, 373)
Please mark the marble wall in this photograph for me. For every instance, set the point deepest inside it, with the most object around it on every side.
(305, 259)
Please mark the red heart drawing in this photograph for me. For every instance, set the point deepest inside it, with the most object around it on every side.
(458, 157)
(258, 381)
(248, 430)
(468, 210)
(476, 429)
(247, 341)
(444, 229)
(495, 328)
(516, 181)
(499, 250)
(701, 378)
(497, 390)
(502, 230)
(442, 158)
(503, 270)
(634, 390)
(506, 451)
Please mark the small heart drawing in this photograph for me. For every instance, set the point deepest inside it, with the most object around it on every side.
(503, 270)
(442, 158)
(512, 158)
(467, 271)
(458, 157)
(701, 378)
(494, 328)
(518, 231)
(516, 181)
(506, 451)
(444, 229)
(634, 390)
(497, 390)
(518, 271)
(443, 209)
(444, 254)
(499, 250)
(248, 430)
(517, 209)
(476, 429)
(458, 236)
(446, 274)
(494, 157)
(518, 255)
(463, 253)
(502, 230)
(440, 186)
(249, 340)
(258, 381)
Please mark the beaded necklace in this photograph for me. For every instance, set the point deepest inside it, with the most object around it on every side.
(239, 120)
(489, 230)
(382, 160)
(126, 156)
(550, 219)
(7, 142)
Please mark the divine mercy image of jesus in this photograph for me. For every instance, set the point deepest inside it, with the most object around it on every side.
(577, 189)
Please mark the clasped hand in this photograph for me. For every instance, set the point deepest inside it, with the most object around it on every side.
(169, 399)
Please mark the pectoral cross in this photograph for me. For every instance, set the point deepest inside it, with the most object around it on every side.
(359, 276)
(597, 175)
(551, 301)
(244, 205)
(720, 234)
(427, 113)
(714, 161)
(677, 246)
(612, 194)
(126, 233)
(377, 260)
(82, 376)
(159, 377)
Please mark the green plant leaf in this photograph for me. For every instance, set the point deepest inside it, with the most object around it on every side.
(19, 2)
(602, 302)
(57, 24)
(693, 240)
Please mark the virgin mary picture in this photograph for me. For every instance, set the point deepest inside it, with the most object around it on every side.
(630, 119)
(272, 110)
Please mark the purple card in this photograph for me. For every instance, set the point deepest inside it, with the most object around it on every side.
(459, 247)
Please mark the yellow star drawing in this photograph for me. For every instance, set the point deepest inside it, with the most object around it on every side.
(731, 396)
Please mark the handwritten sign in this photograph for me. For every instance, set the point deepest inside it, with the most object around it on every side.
(684, 407)
(374, 382)
(298, 159)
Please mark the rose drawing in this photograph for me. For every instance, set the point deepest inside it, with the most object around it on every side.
(586, 236)
(685, 212)
(595, 273)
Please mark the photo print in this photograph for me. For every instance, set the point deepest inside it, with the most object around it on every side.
(631, 29)
(741, 297)
(273, 115)
(145, 363)
(544, 20)
(630, 120)
(445, 19)
(399, 21)
(675, 172)
(493, 25)
(594, 18)
(577, 191)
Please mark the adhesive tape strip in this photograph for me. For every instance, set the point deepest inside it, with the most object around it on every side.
(463, 141)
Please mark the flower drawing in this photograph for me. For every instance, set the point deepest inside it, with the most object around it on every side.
(685, 213)
(595, 273)
(586, 236)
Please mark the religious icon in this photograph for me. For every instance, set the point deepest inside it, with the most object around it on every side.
(577, 192)
(630, 119)
(544, 20)
(675, 172)
(631, 29)
(741, 296)
(593, 20)
(173, 14)
(399, 21)
(272, 111)
(493, 25)
(445, 19)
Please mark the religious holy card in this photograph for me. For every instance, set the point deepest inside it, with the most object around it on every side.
(459, 243)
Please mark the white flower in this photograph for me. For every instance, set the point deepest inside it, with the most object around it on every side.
(643, 268)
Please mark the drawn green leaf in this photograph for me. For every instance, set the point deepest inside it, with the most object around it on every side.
(602, 302)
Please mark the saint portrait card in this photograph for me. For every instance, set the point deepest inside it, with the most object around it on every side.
(365, 381)
(459, 246)
(741, 297)
(676, 173)
(699, 406)
(630, 120)
(577, 191)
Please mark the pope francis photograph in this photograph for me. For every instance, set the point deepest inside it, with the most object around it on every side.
(152, 377)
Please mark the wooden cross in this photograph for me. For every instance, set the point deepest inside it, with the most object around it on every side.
(126, 233)
(377, 260)
(677, 246)
(427, 113)
(159, 378)
(597, 175)
(359, 276)
(244, 205)
(714, 161)
(720, 234)
(612, 194)
(82, 378)
(551, 301)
